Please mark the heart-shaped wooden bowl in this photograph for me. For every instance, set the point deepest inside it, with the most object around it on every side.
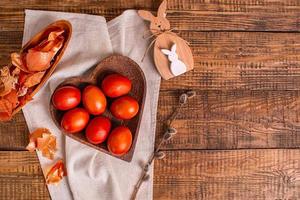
(112, 64)
(39, 37)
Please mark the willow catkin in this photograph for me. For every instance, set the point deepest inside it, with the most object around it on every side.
(168, 134)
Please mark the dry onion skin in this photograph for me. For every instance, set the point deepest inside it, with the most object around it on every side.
(42, 140)
(39, 58)
(56, 173)
(34, 79)
(7, 81)
(7, 104)
(26, 72)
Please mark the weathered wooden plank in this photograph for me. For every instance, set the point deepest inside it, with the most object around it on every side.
(224, 60)
(223, 175)
(243, 174)
(233, 119)
(21, 176)
(241, 60)
(213, 120)
(14, 134)
(233, 60)
(253, 15)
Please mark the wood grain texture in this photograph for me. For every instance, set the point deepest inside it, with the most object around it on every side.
(224, 175)
(226, 60)
(241, 60)
(233, 119)
(251, 15)
(243, 174)
(215, 120)
(248, 97)
(14, 134)
(21, 176)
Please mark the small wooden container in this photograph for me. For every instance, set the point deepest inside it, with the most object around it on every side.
(35, 40)
(112, 64)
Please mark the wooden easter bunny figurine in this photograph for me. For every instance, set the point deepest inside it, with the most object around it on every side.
(172, 55)
(177, 66)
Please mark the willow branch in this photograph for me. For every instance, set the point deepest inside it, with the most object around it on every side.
(169, 132)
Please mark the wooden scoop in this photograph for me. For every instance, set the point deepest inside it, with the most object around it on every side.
(36, 40)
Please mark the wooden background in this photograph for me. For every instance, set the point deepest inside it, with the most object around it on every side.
(238, 139)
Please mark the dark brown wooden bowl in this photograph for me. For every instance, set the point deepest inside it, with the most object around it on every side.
(112, 64)
(39, 37)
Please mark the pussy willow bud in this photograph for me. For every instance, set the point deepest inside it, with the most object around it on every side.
(191, 94)
(146, 177)
(146, 168)
(172, 131)
(183, 98)
(160, 155)
(167, 136)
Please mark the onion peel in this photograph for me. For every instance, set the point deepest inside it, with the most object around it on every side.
(7, 81)
(7, 104)
(56, 173)
(42, 140)
(34, 79)
(17, 61)
(39, 58)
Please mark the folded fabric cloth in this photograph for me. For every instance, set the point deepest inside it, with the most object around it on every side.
(92, 174)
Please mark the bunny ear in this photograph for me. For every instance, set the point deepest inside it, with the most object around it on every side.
(173, 48)
(162, 9)
(166, 51)
(146, 15)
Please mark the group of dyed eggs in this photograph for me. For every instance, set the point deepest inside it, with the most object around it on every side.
(83, 110)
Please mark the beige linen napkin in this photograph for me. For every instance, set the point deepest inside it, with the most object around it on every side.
(91, 174)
